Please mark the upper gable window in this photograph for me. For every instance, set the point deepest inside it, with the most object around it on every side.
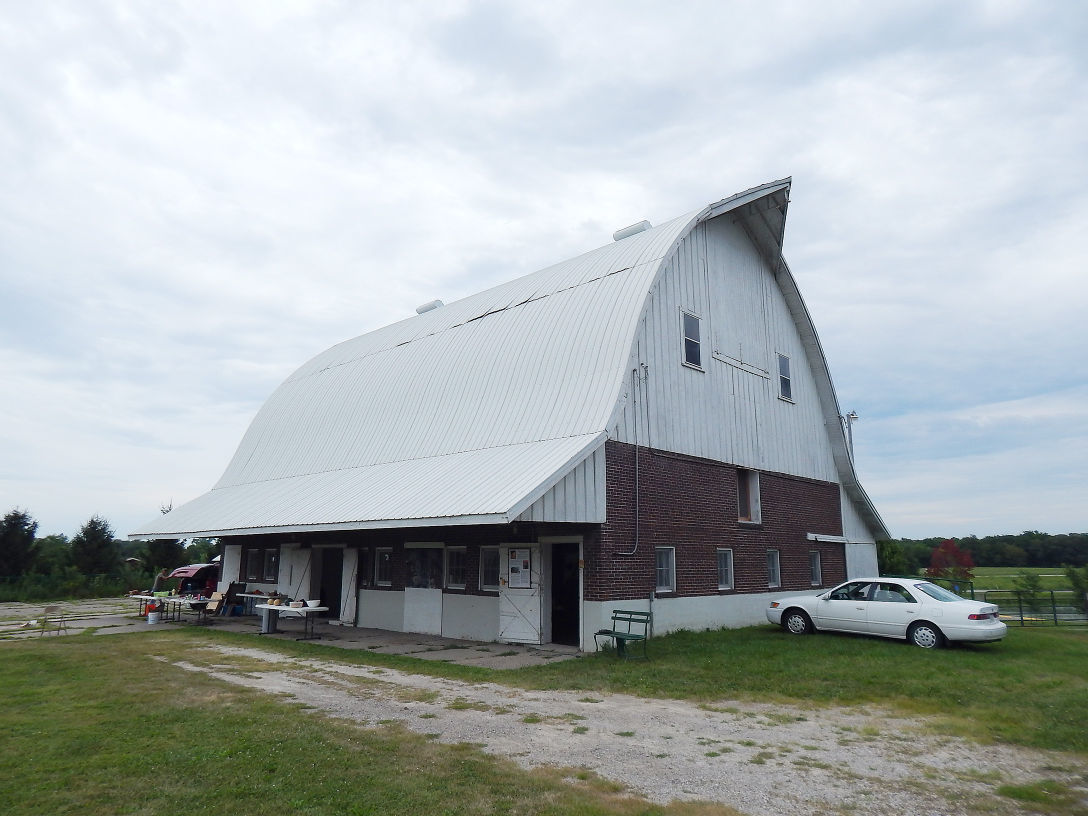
(693, 355)
(785, 384)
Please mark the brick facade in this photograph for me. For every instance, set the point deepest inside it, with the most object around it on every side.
(691, 504)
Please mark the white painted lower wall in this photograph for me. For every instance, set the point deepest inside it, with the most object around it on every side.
(380, 610)
(671, 614)
(229, 567)
(472, 617)
(476, 617)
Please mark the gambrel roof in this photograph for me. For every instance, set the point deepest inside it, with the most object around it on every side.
(466, 414)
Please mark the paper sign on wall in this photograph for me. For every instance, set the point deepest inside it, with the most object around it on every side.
(519, 573)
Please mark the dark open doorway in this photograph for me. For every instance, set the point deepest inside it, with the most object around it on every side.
(332, 575)
(565, 595)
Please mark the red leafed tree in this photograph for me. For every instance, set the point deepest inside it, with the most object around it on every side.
(949, 561)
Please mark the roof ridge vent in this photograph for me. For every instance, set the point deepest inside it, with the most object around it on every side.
(429, 307)
(634, 229)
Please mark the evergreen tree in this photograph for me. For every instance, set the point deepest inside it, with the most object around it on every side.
(890, 558)
(17, 530)
(53, 556)
(93, 549)
(165, 553)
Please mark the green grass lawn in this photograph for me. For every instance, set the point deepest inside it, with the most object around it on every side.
(102, 725)
(1005, 577)
(97, 726)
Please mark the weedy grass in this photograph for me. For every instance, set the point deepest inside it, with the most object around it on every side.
(105, 725)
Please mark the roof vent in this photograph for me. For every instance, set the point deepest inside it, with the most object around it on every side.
(634, 229)
(428, 307)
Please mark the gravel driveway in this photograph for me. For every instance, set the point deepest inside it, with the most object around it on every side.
(759, 759)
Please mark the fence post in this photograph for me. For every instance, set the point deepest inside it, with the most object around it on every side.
(1020, 606)
(1053, 607)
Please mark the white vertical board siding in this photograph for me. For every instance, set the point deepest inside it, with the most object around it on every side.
(577, 497)
(854, 527)
(729, 411)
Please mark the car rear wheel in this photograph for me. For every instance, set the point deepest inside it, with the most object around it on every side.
(925, 636)
(796, 622)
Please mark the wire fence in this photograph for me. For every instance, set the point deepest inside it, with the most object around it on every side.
(1047, 607)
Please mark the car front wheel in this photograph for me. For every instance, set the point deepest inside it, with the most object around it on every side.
(925, 636)
(797, 622)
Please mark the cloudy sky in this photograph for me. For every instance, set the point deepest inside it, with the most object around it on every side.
(197, 197)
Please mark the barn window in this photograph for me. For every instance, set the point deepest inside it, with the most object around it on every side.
(692, 351)
(774, 569)
(455, 567)
(665, 561)
(261, 564)
(785, 387)
(489, 568)
(748, 496)
(383, 566)
(725, 569)
(814, 568)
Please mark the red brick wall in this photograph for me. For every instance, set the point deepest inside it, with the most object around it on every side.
(691, 504)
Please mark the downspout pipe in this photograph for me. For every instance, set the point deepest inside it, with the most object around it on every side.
(636, 385)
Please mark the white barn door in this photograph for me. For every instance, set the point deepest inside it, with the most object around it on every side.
(519, 595)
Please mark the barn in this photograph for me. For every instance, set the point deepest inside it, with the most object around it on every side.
(651, 425)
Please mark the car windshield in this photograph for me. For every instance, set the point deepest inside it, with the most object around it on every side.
(937, 592)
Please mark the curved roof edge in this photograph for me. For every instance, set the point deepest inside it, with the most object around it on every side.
(829, 402)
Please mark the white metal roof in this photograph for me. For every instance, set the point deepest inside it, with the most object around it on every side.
(465, 414)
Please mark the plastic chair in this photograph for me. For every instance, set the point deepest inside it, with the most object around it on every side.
(53, 619)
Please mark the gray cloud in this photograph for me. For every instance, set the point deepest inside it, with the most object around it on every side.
(201, 197)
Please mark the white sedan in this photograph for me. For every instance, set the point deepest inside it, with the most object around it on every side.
(925, 614)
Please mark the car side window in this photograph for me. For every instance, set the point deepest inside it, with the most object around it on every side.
(892, 593)
(857, 591)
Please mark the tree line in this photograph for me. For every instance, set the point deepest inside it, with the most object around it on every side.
(93, 562)
(906, 556)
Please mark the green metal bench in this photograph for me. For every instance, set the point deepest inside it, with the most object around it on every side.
(628, 627)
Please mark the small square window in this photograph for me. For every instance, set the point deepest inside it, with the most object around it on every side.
(693, 355)
(261, 564)
(785, 387)
(665, 561)
(814, 568)
(383, 566)
(725, 569)
(774, 570)
(748, 509)
(455, 567)
(489, 568)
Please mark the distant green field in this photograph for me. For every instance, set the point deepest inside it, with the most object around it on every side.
(1005, 577)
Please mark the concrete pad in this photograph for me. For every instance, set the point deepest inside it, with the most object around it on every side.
(464, 656)
(118, 615)
(413, 649)
(510, 661)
